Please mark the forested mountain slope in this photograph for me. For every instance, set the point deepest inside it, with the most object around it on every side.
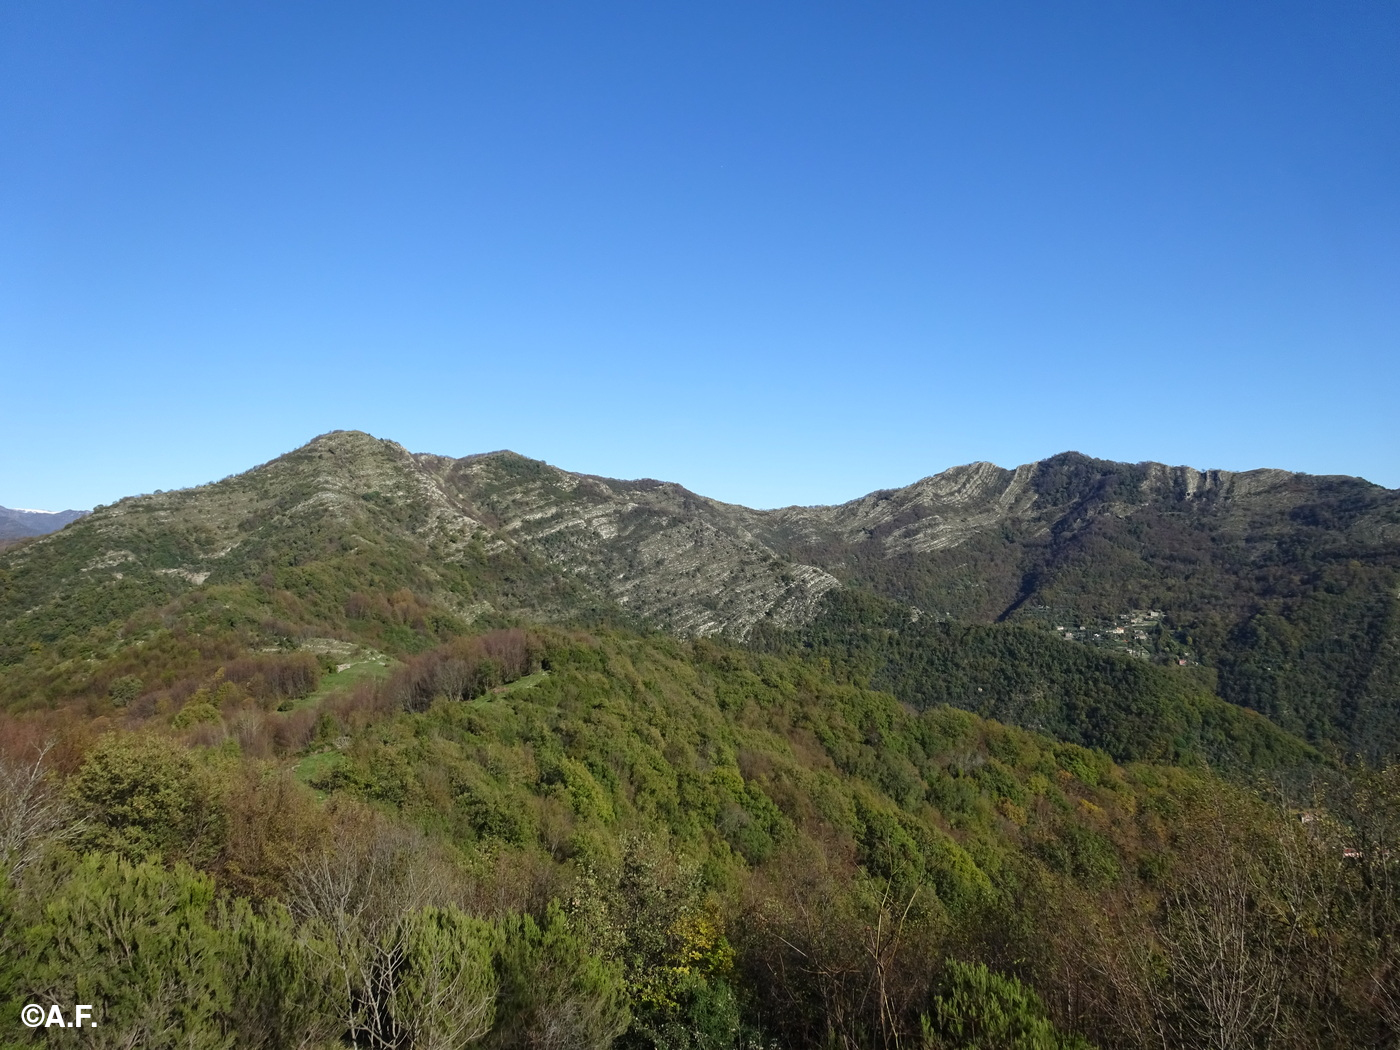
(1284, 585)
(374, 749)
(551, 838)
(494, 533)
(1287, 584)
(1129, 707)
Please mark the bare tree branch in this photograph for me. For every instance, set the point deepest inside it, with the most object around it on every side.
(33, 813)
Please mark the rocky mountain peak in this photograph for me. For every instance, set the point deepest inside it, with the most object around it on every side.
(978, 540)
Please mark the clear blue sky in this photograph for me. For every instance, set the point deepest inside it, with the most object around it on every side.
(779, 252)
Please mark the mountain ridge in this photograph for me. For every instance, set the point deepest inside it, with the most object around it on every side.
(18, 523)
(1284, 584)
(637, 542)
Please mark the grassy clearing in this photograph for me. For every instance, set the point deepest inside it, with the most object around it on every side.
(528, 682)
(312, 766)
(339, 681)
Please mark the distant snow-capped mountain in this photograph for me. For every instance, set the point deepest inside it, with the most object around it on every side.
(17, 522)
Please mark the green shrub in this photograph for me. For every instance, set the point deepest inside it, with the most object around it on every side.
(125, 689)
(144, 795)
(445, 983)
(136, 941)
(553, 991)
(981, 1010)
